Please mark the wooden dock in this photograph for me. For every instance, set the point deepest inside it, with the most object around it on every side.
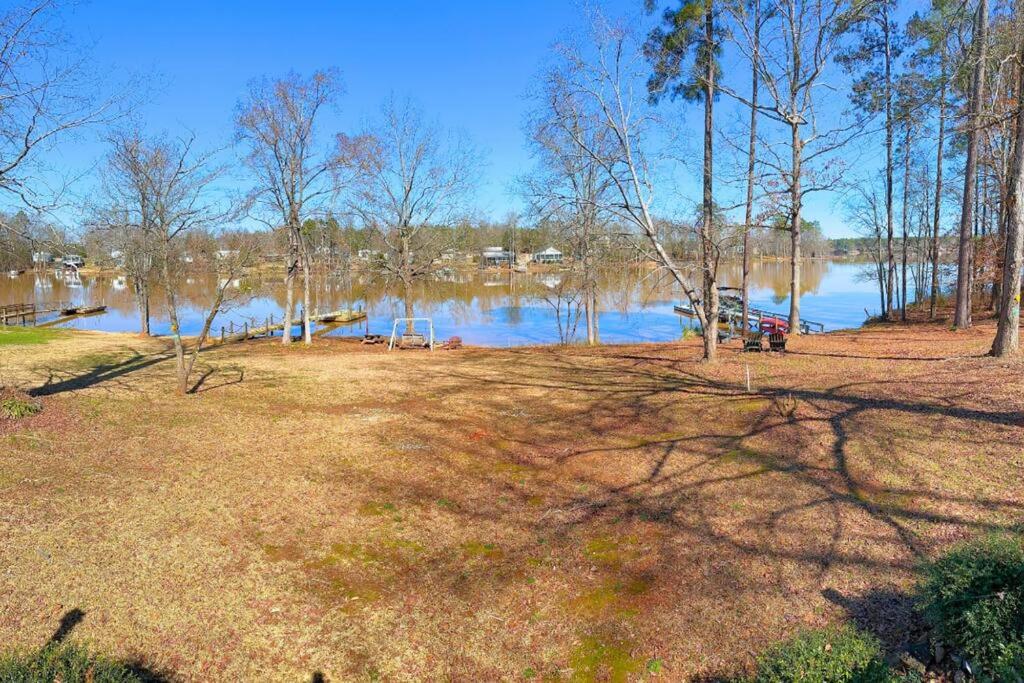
(22, 313)
(235, 333)
(80, 312)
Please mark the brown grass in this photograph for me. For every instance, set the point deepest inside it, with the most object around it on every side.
(561, 514)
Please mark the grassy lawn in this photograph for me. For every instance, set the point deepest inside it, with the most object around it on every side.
(622, 513)
(14, 335)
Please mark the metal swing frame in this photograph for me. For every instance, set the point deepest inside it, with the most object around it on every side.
(394, 330)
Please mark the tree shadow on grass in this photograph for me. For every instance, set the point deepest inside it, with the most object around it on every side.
(59, 381)
(782, 490)
(201, 383)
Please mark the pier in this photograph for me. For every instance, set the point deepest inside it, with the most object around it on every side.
(235, 333)
(22, 313)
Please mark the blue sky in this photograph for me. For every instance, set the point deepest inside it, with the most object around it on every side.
(467, 64)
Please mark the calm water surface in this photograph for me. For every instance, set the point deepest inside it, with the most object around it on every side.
(483, 308)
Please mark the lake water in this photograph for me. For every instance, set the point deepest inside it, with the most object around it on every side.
(483, 308)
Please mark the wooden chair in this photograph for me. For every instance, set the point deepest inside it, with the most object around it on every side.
(754, 343)
(777, 342)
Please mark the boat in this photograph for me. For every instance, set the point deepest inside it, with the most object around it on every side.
(772, 325)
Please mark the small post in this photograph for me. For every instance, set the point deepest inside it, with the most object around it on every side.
(747, 368)
(246, 329)
(221, 334)
(232, 324)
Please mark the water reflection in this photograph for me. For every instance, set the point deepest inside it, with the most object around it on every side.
(487, 308)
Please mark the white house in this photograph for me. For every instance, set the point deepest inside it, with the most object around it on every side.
(549, 255)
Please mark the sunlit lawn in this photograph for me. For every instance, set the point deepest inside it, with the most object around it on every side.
(559, 514)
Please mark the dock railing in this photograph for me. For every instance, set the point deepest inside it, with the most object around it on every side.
(733, 317)
(21, 313)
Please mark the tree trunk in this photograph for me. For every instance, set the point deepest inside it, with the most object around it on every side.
(1007, 338)
(172, 316)
(965, 261)
(307, 328)
(748, 217)
(292, 265)
(794, 257)
(936, 219)
(142, 292)
(905, 216)
(890, 258)
(707, 225)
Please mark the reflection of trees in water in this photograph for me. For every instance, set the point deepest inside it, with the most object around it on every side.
(775, 276)
(467, 297)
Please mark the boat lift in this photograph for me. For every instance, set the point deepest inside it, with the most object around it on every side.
(731, 315)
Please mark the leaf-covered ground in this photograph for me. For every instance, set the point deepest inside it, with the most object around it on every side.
(551, 514)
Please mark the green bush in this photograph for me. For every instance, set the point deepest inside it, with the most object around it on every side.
(831, 655)
(68, 663)
(974, 598)
(17, 408)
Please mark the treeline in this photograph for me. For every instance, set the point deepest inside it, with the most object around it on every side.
(935, 94)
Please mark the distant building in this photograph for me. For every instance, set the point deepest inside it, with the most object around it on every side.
(73, 261)
(495, 256)
(226, 253)
(42, 258)
(549, 255)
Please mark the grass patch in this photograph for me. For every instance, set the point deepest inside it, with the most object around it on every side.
(479, 549)
(17, 408)
(601, 659)
(69, 663)
(20, 336)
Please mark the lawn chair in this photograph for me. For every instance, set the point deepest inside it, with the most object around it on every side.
(777, 342)
(753, 343)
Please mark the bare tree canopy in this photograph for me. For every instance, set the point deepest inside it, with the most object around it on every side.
(46, 94)
(293, 174)
(406, 175)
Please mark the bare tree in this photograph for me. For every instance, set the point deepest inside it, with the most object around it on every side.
(408, 182)
(569, 189)
(294, 175)
(164, 190)
(756, 17)
(46, 96)
(800, 39)
(596, 83)
(874, 56)
(114, 218)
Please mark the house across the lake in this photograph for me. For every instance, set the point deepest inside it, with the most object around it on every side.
(549, 255)
(495, 256)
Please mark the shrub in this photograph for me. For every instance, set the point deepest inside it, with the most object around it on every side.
(831, 655)
(16, 408)
(974, 597)
(68, 663)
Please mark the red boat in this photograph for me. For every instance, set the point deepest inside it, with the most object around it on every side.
(773, 325)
